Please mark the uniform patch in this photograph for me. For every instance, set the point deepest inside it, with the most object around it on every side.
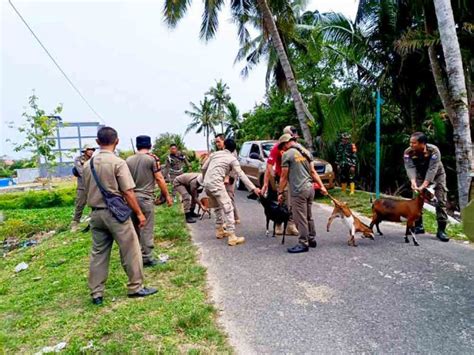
(434, 157)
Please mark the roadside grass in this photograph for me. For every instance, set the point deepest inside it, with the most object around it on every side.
(360, 202)
(49, 302)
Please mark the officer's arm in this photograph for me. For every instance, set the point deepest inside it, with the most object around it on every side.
(132, 202)
(79, 166)
(433, 168)
(283, 180)
(248, 184)
(205, 166)
(160, 180)
(410, 168)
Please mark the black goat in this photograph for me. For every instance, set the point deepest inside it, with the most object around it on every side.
(276, 213)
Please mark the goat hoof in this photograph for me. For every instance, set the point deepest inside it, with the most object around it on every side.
(274, 236)
(416, 244)
(406, 240)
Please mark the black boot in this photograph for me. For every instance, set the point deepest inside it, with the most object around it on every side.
(194, 214)
(189, 218)
(441, 235)
(419, 228)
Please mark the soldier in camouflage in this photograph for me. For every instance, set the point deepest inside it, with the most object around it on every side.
(424, 167)
(346, 162)
(175, 163)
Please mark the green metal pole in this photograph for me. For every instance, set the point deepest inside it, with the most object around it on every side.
(377, 146)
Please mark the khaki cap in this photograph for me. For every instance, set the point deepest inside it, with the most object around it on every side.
(290, 130)
(285, 139)
(88, 147)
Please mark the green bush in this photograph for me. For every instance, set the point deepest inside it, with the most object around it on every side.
(38, 199)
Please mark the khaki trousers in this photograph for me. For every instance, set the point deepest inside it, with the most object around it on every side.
(219, 200)
(186, 198)
(230, 188)
(302, 215)
(105, 229)
(146, 235)
(80, 202)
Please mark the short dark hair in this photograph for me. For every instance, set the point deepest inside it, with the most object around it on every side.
(173, 145)
(420, 137)
(230, 145)
(220, 135)
(107, 135)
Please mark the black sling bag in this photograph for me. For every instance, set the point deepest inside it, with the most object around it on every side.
(115, 204)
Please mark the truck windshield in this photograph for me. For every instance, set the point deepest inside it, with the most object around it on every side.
(266, 147)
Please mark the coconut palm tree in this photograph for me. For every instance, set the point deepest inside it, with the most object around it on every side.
(203, 119)
(219, 99)
(234, 121)
(174, 10)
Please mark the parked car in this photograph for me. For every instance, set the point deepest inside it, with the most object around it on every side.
(253, 159)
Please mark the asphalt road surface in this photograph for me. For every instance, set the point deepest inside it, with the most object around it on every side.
(384, 296)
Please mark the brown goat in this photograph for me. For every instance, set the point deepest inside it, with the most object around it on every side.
(342, 210)
(386, 209)
(204, 207)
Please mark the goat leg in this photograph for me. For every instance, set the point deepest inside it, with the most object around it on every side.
(267, 233)
(285, 224)
(411, 228)
(334, 215)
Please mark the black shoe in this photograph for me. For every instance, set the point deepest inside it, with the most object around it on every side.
(189, 218)
(194, 214)
(150, 263)
(419, 230)
(145, 291)
(298, 248)
(312, 243)
(98, 300)
(441, 235)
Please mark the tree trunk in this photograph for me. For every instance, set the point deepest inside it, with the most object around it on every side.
(301, 110)
(457, 96)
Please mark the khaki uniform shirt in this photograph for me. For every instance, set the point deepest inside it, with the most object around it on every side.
(190, 182)
(424, 166)
(218, 166)
(299, 176)
(79, 164)
(113, 174)
(143, 168)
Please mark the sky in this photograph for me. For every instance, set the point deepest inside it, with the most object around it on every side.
(138, 74)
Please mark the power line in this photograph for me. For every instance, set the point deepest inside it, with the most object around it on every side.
(56, 63)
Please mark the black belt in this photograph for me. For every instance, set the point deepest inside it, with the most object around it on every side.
(98, 208)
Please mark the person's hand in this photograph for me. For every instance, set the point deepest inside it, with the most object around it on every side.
(352, 169)
(323, 190)
(141, 220)
(280, 199)
(169, 201)
(414, 186)
(264, 189)
(257, 191)
(227, 180)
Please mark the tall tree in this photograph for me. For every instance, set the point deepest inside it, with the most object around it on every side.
(234, 122)
(454, 96)
(220, 98)
(174, 10)
(203, 119)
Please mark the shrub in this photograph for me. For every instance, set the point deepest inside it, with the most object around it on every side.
(38, 199)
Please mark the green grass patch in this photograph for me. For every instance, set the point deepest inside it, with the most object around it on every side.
(49, 302)
(59, 197)
(360, 202)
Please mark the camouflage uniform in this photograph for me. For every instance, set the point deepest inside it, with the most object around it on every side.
(428, 166)
(346, 158)
(175, 166)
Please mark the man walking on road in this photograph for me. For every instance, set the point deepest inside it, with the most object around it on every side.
(272, 179)
(424, 167)
(215, 169)
(114, 176)
(299, 173)
(146, 170)
(229, 180)
(189, 186)
(81, 196)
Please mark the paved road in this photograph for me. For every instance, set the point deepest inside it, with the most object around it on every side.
(384, 296)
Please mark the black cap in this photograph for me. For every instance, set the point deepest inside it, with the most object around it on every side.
(144, 141)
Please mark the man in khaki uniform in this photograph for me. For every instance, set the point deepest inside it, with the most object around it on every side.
(298, 171)
(229, 181)
(146, 170)
(81, 197)
(189, 186)
(114, 175)
(215, 169)
(424, 167)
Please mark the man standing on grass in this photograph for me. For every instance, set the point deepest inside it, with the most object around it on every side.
(81, 198)
(114, 176)
(214, 171)
(146, 170)
(299, 173)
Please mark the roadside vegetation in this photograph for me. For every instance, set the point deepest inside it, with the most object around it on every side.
(48, 303)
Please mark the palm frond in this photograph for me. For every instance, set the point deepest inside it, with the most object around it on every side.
(174, 10)
(210, 18)
(413, 40)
